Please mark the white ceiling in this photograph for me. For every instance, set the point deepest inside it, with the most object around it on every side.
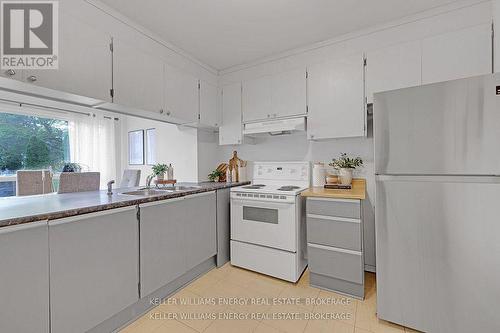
(225, 33)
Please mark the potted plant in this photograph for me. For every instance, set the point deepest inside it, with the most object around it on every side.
(345, 165)
(215, 175)
(159, 170)
(72, 167)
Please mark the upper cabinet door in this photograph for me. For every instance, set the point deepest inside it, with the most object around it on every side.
(457, 54)
(289, 91)
(257, 99)
(395, 67)
(137, 77)
(275, 96)
(181, 95)
(336, 99)
(209, 113)
(230, 133)
(84, 62)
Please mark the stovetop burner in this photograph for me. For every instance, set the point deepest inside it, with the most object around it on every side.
(288, 188)
(254, 186)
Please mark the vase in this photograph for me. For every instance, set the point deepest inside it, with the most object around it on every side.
(160, 176)
(345, 175)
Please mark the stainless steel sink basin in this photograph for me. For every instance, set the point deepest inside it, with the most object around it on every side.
(162, 190)
(147, 192)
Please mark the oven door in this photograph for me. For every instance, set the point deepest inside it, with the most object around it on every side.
(266, 223)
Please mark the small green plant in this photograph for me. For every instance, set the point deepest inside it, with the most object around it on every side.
(71, 167)
(159, 169)
(345, 162)
(214, 176)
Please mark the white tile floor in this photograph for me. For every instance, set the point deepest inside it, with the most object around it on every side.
(230, 299)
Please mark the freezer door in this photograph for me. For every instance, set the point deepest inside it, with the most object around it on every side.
(444, 128)
(438, 252)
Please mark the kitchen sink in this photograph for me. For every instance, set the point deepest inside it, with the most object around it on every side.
(162, 190)
(147, 192)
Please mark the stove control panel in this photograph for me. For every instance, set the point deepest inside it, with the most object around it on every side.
(261, 196)
(285, 172)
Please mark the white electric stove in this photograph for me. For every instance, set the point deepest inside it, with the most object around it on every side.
(268, 232)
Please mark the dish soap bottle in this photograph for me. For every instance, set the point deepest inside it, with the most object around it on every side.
(170, 172)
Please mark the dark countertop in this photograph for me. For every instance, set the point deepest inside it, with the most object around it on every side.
(19, 210)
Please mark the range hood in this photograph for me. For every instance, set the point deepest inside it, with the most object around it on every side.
(276, 126)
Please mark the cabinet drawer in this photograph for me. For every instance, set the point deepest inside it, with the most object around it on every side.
(332, 231)
(334, 207)
(341, 264)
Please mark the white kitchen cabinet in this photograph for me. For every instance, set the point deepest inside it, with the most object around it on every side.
(257, 99)
(181, 95)
(457, 54)
(289, 91)
(94, 271)
(15, 74)
(394, 67)
(274, 96)
(336, 99)
(84, 62)
(24, 287)
(137, 78)
(209, 111)
(230, 133)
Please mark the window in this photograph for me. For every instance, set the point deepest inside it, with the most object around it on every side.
(151, 146)
(136, 147)
(30, 142)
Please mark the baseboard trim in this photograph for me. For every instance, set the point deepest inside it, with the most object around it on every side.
(143, 305)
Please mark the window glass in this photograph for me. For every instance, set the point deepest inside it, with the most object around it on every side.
(31, 143)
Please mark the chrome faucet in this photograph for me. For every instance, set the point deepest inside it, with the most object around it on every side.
(110, 187)
(149, 179)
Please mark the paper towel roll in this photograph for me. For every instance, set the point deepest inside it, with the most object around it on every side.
(319, 174)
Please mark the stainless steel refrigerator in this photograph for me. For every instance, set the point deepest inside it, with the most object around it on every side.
(437, 165)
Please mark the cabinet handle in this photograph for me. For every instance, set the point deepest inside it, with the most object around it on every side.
(161, 111)
(32, 78)
(168, 112)
(10, 72)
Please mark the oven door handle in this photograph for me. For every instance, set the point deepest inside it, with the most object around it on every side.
(261, 203)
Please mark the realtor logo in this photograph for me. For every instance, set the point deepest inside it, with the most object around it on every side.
(29, 36)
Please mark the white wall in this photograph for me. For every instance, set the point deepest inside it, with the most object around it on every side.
(174, 145)
(208, 153)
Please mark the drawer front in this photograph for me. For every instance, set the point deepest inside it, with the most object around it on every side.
(338, 263)
(337, 232)
(334, 207)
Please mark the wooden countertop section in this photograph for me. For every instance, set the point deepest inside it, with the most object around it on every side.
(358, 191)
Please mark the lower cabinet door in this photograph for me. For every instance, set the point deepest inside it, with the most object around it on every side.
(201, 222)
(334, 262)
(93, 268)
(162, 243)
(24, 278)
